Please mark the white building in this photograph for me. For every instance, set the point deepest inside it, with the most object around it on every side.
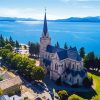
(61, 63)
(24, 49)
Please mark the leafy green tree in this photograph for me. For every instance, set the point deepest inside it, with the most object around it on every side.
(82, 52)
(65, 46)
(63, 95)
(38, 73)
(9, 47)
(25, 66)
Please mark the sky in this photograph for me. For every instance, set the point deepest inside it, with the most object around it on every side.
(56, 9)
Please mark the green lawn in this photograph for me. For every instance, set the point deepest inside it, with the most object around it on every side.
(96, 86)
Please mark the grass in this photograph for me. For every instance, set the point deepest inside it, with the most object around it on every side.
(75, 97)
(96, 85)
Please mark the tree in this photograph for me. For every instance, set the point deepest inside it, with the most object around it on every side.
(25, 47)
(17, 44)
(63, 95)
(57, 45)
(82, 52)
(38, 73)
(65, 46)
(9, 47)
(88, 82)
(34, 49)
(2, 41)
(37, 48)
(24, 65)
(89, 60)
(11, 41)
(6, 41)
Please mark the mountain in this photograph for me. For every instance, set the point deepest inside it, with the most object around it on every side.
(16, 19)
(71, 19)
(77, 19)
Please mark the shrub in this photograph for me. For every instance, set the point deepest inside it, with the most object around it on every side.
(11, 92)
(4, 67)
(75, 86)
(88, 82)
(58, 81)
(63, 95)
(1, 78)
(1, 91)
(25, 98)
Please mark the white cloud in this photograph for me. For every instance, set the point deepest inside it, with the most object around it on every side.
(24, 13)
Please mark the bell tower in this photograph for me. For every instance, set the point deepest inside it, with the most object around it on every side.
(45, 40)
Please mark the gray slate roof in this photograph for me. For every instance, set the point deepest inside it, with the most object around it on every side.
(53, 49)
(75, 73)
(71, 53)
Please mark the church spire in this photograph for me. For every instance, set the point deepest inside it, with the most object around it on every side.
(45, 28)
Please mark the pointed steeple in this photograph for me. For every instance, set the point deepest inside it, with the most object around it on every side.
(45, 27)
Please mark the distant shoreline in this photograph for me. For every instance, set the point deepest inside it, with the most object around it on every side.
(71, 19)
(48, 21)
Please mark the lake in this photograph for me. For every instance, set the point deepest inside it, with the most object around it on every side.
(79, 34)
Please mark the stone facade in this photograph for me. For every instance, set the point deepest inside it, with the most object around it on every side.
(65, 64)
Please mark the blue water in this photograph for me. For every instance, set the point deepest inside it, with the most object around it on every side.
(79, 34)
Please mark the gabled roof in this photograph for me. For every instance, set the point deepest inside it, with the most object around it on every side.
(74, 73)
(62, 54)
(71, 53)
(53, 49)
(46, 62)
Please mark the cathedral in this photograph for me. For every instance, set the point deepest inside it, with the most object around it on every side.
(65, 64)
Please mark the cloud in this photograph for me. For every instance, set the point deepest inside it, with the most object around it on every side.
(24, 13)
(15, 12)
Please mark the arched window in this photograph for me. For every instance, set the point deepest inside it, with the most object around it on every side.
(69, 65)
(65, 65)
(77, 81)
(77, 67)
(65, 75)
(73, 66)
(70, 79)
(56, 67)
